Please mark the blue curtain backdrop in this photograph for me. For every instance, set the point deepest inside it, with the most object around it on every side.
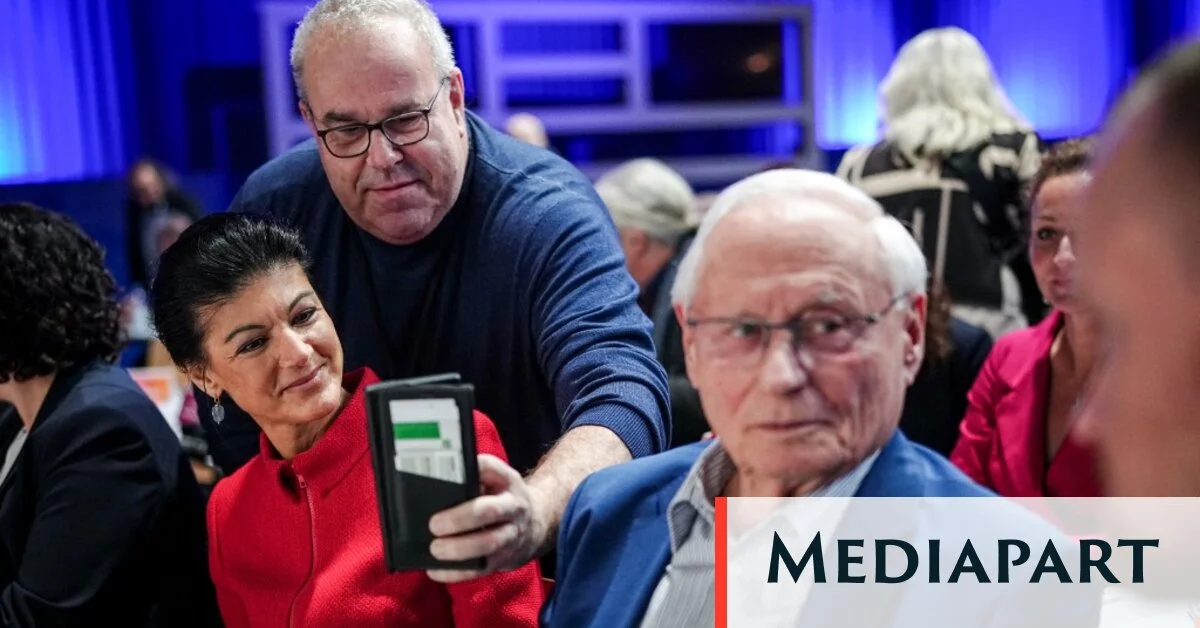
(853, 43)
(1061, 61)
(71, 106)
(64, 86)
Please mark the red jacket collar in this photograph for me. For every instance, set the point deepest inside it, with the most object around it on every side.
(343, 444)
(1029, 352)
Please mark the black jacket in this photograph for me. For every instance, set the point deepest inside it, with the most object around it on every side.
(965, 210)
(101, 519)
(937, 399)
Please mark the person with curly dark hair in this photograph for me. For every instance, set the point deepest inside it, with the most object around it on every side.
(101, 519)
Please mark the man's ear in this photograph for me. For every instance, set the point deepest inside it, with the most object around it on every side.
(638, 242)
(914, 335)
(458, 98)
(689, 338)
(306, 113)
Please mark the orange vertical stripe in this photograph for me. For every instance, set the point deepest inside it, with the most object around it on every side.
(720, 562)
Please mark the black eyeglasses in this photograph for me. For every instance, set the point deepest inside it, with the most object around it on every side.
(405, 129)
(744, 340)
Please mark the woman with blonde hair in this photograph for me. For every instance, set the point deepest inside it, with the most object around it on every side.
(954, 158)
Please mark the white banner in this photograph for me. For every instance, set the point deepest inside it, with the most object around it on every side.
(956, 562)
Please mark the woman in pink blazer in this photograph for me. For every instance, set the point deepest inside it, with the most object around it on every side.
(1018, 434)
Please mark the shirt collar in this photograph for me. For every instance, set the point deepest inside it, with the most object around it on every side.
(713, 470)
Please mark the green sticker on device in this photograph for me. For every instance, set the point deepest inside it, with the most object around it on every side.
(428, 439)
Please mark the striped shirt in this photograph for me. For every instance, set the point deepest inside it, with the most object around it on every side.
(685, 596)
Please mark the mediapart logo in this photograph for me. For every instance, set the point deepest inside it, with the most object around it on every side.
(1011, 554)
(934, 562)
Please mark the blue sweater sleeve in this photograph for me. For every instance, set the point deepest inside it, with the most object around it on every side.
(594, 343)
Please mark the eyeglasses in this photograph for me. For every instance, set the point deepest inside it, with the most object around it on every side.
(405, 129)
(744, 340)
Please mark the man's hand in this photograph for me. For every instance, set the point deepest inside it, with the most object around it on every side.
(516, 519)
(506, 524)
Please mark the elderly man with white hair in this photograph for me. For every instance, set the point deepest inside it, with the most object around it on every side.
(654, 207)
(803, 307)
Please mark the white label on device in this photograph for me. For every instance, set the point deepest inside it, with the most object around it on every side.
(428, 438)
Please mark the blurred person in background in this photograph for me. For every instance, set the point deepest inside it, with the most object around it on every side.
(164, 237)
(442, 245)
(155, 199)
(194, 437)
(1018, 437)
(954, 159)
(936, 401)
(1138, 243)
(528, 128)
(101, 520)
(653, 208)
(234, 306)
(1140, 272)
(704, 201)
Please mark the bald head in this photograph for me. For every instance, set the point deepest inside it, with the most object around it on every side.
(785, 196)
(777, 233)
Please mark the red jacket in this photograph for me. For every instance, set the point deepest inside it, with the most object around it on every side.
(1003, 436)
(299, 544)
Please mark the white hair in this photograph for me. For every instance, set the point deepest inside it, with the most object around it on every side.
(647, 194)
(902, 257)
(942, 96)
(348, 16)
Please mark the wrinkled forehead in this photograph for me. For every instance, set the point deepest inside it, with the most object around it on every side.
(388, 54)
(801, 240)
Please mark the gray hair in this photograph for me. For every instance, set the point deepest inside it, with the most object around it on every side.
(350, 15)
(904, 261)
(528, 128)
(647, 194)
(942, 96)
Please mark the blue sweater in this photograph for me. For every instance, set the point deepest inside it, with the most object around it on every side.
(522, 289)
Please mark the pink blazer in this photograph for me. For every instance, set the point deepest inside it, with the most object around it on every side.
(1002, 438)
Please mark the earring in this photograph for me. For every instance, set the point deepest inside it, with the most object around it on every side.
(218, 412)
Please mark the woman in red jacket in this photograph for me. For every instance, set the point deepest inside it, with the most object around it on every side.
(294, 536)
(1017, 437)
